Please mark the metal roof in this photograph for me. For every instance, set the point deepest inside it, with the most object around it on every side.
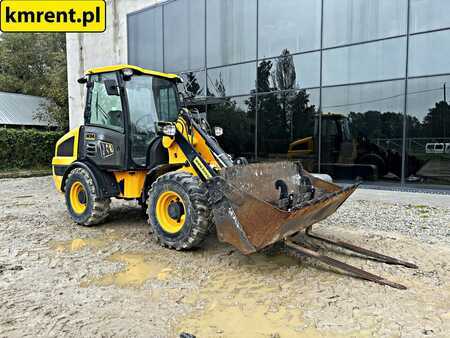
(19, 109)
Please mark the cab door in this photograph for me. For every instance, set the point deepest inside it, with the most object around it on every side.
(103, 139)
(149, 99)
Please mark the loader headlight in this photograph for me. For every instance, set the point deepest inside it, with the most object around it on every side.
(169, 130)
(164, 128)
(218, 131)
(106, 149)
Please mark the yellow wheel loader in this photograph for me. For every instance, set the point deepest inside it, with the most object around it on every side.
(138, 143)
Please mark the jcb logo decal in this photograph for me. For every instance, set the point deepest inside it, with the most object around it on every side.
(90, 136)
(52, 16)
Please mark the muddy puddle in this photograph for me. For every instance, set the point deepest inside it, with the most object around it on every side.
(242, 303)
(137, 267)
(78, 244)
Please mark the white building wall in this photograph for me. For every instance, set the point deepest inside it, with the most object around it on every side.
(88, 50)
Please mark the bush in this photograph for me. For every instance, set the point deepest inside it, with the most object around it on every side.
(27, 148)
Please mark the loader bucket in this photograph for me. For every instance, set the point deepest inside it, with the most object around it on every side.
(246, 203)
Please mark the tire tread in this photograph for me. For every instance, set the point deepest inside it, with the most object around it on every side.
(101, 207)
(201, 216)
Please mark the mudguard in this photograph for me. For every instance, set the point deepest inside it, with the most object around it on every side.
(104, 182)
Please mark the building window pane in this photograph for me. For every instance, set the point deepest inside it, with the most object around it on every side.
(428, 131)
(236, 115)
(429, 15)
(232, 80)
(429, 53)
(350, 21)
(184, 35)
(289, 72)
(193, 89)
(288, 24)
(194, 84)
(145, 43)
(362, 131)
(286, 126)
(231, 31)
(368, 62)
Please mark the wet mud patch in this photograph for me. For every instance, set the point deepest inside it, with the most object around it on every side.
(135, 269)
(138, 270)
(79, 244)
(247, 300)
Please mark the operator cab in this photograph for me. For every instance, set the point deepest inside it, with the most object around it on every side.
(123, 104)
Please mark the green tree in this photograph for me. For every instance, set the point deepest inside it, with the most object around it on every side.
(437, 121)
(35, 64)
(374, 124)
(414, 127)
(264, 70)
(285, 74)
(236, 121)
(192, 87)
(271, 121)
(304, 115)
(282, 116)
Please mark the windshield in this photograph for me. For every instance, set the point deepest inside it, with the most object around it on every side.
(150, 99)
(152, 96)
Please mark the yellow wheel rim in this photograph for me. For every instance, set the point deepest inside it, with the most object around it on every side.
(78, 198)
(170, 212)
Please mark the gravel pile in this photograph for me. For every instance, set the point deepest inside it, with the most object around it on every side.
(428, 224)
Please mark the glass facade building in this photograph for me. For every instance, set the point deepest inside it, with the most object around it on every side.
(354, 88)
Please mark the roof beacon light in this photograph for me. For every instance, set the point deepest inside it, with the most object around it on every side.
(128, 72)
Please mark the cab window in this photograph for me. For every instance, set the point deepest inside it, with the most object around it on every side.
(106, 110)
(167, 100)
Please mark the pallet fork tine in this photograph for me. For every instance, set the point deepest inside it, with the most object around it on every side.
(369, 253)
(296, 248)
(343, 266)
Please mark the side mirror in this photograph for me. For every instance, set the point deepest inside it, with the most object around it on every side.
(112, 89)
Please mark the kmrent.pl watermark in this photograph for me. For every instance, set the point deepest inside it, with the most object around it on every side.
(52, 16)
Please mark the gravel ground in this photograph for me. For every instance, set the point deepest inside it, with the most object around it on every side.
(425, 223)
(59, 279)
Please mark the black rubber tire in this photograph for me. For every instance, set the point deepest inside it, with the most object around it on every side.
(198, 213)
(376, 160)
(97, 209)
